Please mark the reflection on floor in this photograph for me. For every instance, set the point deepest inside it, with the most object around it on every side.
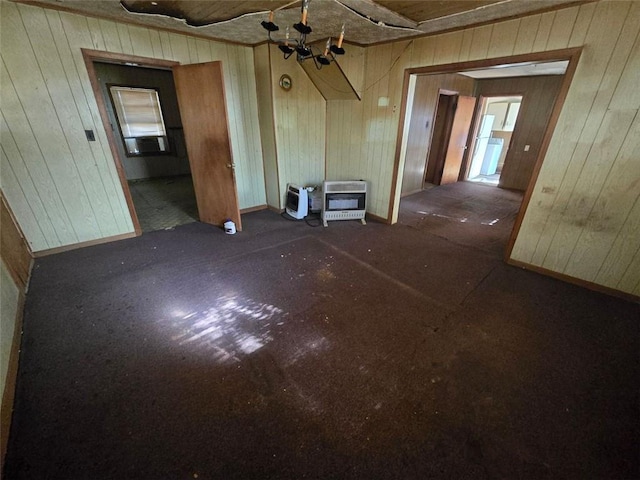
(465, 213)
(490, 179)
(350, 352)
(164, 202)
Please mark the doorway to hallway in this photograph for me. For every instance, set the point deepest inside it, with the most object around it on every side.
(497, 118)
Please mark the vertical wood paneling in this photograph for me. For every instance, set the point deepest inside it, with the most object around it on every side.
(267, 126)
(179, 49)
(70, 30)
(576, 213)
(448, 47)
(352, 64)
(480, 43)
(125, 38)
(561, 29)
(109, 31)
(608, 30)
(21, 130)
(526, 34)
(577, 127)
(421, 123)
(156, 44)
(465, 46)
(601, 67)
(630, 280)
(582, 24)
(609, 213)
(503, 38)
(598, 116)
(544, 28)
(620, 252)
(11, 302)
(300, 119)
(25, 195)
(15, 252)
(71, 122)
(140, 41)
(165, 42)
(424, 49)
(574, 227)
(67, 189)
(539, 96)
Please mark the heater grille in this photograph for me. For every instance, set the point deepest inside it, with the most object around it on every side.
(344, 200)
(347, 186)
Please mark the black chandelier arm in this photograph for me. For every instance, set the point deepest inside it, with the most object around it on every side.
(289, 46)
(269, 26)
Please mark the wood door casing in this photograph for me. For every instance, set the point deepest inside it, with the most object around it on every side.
(441, 131)
(458, 139)
(539, 95)
(201, 98)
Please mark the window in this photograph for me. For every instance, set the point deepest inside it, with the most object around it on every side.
(140, 119)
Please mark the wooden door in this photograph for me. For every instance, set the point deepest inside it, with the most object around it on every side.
(439, 139)
(458, 139)
(201, 99)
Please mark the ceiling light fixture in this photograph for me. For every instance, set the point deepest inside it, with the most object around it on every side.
(303, 51)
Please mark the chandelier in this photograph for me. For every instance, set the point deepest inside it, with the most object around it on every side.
(299, 45)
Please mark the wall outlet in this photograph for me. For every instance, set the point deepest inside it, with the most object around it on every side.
(526, 148)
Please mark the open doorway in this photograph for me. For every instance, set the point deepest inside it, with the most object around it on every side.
(199, 89)
(143, 111)
(451, 125)
(529, 77)
(497, 117)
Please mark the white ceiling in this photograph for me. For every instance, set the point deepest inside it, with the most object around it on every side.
(519, 70)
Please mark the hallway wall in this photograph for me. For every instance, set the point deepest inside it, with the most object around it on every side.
(423, 113)
(539, 94)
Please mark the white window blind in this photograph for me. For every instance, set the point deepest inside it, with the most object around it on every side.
(138, 111)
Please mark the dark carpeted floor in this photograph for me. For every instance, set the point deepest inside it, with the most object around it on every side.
(350, 352)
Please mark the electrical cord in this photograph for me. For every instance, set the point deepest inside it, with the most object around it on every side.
(315, 217)
(309, 219)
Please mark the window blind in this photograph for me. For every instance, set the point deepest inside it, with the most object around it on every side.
(138, 111)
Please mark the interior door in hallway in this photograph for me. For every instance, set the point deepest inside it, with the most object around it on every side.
(458, 139)
(201, 99)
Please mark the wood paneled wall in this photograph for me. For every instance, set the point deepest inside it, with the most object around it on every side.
(361, 136)
(15, 269)
(14, 250)
(11, 305)
(423, 110)
(583, 218)
(538, 97)
(265, 87)
(300, 123)
(352, 64)
(63, 189)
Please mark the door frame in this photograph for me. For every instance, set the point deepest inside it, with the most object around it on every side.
(570, 54)
(475, 126)
(91, 56)
(464, 120)
(443, 142)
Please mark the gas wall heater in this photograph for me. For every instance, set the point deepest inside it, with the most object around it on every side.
(344, 200)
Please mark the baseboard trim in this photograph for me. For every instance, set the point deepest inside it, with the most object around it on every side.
(576, 281)
(253, 209)
(8, 395)
(90, 243)
(376, 218)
